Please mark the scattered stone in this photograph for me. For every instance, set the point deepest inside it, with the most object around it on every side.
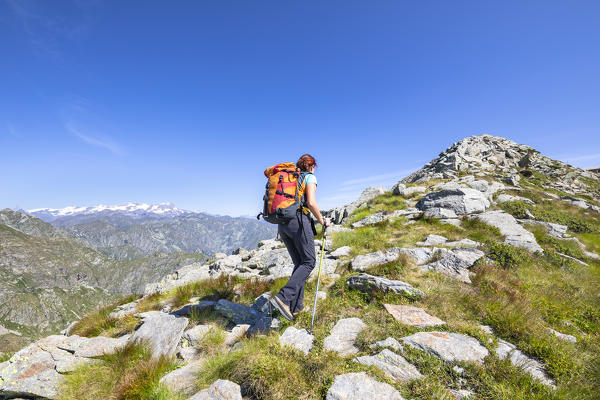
(402, 190)
(557, 231)
(183, 380)
(366, 261)
(338, 228)
(237, 313)
(460, 394)
(220, 390)
(389, 342)
(515, 234)
(572, 259)
(392, 364)
(339, 215)
(382, 216)
(439, 213)
(124, 310)
(433, 240)
(518, 359)
(194, 335)
(297, 338)
(464, 243)
(343, 335)
(461, 201)
(448, 346)
(454, 263)
(367, 283)
(360, 386)
(343, 251)
(413, 316)
(188, 309)
(236, 334)
(162, 332)
(36, 370)
(458, 369)
(563, 336)
(503, 198)
(321, 295)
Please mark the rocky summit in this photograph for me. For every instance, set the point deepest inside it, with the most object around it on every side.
(475, 277)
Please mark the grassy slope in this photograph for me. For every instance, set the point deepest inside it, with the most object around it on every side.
(519, 294)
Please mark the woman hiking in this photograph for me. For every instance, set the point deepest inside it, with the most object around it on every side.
(299, 238)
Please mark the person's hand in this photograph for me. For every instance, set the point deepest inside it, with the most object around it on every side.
(327, 222)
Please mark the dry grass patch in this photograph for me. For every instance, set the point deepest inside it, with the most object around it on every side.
(99, 323)
(128, 374)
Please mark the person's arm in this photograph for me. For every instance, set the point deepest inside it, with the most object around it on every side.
(311, 202)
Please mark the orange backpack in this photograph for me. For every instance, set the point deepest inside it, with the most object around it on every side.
(284, 194)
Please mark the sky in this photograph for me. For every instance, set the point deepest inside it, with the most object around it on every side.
(108, 102)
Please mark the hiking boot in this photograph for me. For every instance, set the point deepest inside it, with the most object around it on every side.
(303, 309)
(283, 309)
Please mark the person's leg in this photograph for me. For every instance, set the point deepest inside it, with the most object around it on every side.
(288, 233)
(293, 292)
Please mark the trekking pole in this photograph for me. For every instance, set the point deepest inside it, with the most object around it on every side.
(312, 321)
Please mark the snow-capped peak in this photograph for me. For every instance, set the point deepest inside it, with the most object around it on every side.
(162, 209)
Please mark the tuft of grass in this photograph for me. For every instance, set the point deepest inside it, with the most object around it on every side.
(576, 219)
(100, 323)
(128, 374)
(5, 356)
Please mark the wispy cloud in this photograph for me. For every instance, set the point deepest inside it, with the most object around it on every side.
(581, 160)
(102, 142)
(12, 131)
(378, 178)
(47, 29)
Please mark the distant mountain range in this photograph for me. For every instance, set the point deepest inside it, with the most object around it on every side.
(135, 230)
(53, 272)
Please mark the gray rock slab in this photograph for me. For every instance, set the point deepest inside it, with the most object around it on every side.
(460, 394)
(448, 346)
(367, 283)
(366, 261)
(297, 338)
(360, 386)
(220, 390)
(343, 335)
(183, 380)
(454, 263)
(518, 359)
(195, 335)
(30, 373)
(503, 198)
(464, 243)
(460, 200)
(557, 231)
(413, 316)
(237, 313)
(433, 240)
(343, 251)
(514, 234)
(393, 365)
(188, 309)
(439, 213)
(563, 336)
(389, 342)
(162, 332)
(124, 310)
(236, 334)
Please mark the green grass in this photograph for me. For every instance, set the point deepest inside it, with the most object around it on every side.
(128, 374)
(576, 219)
(386, 202)
(99, 323)
(5, 356)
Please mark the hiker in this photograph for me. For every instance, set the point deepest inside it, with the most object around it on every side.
(298, 235)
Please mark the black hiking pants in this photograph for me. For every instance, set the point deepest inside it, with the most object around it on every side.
(299, 239)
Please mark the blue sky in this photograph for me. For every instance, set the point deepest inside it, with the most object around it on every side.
(106, 102)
